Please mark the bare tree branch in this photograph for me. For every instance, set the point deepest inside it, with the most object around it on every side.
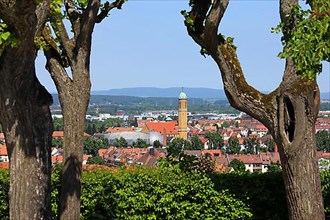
(107, 8)
(73, 15)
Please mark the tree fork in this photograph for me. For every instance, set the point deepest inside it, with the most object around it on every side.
(289, 112)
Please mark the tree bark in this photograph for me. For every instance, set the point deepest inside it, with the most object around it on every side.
(74, 97)
(297, 111)
(25, 114)
(74, 107)
(289, 112)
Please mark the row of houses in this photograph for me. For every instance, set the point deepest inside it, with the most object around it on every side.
(150, 157)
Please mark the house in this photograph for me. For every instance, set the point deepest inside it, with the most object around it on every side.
(322, 124)
(151, 157)
(4, 154)
(253, 163)
(129, 156)
(4, 159)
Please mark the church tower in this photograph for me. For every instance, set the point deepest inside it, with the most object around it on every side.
(182, 115)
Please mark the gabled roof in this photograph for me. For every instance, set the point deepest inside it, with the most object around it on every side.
(270, 157)
(163, 127)
(246, 159)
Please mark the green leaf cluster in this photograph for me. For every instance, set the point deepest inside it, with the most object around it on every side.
(325, 184)
(237, 165)
(6, 37)
(323, 140)
(306, 38)
(4, 189)
(156, 194)
(188, 21)
(92, 145)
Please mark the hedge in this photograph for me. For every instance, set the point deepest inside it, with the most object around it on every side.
(168, 193)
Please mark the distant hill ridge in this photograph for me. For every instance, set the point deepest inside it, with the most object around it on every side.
(164, 92)
(206, 93)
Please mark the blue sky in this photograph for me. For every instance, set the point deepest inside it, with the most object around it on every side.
(146, 45)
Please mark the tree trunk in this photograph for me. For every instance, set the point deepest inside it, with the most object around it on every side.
(302, 181)
(295, 136)
(27, 124)
(74, 94)
(74, 104)
(24, 112)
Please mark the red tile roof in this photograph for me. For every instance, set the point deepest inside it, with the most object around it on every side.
(119, 129)
(4, 165)
(270, 157)
(170, 128)
(246, 159)
(261, 127)
(57, 159)
(60, 134)
(321, 154)
(3, 150)
(213, 153)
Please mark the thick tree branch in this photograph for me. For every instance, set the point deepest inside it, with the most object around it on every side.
(286, 8)
(107, 8)
(42, 15)
(56, 70)
(213, 20)
(62, 34)
(88, 22)
(51, 44)
(74, 15)
(240, 94)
